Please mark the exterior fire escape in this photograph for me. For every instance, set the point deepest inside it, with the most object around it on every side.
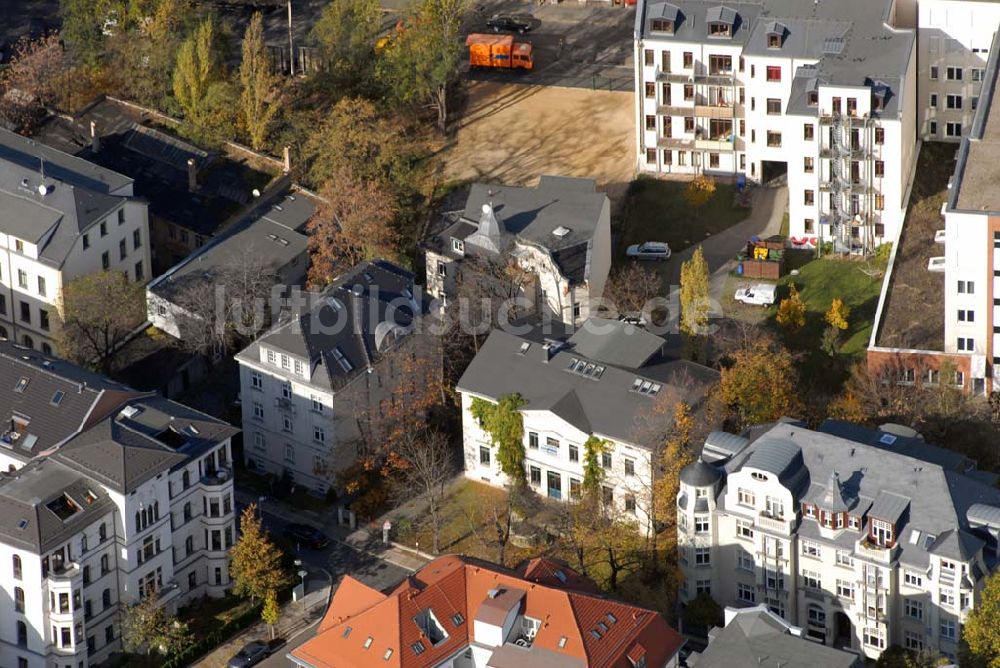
(850, 182)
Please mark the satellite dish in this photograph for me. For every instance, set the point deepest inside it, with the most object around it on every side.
(255, 192)
(487, 209)
(43, 189)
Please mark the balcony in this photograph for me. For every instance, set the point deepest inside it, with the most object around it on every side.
(64, 572)
(284, 404)
(217, 478)
(168, 591)
(782, 526)
(675, 142)
(714, 144)
(718, 78)
(674, 77)
(715, 110)
(872, 552)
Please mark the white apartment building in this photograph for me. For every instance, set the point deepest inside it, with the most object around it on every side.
(139, 503)
(316, 386)
(608, 380)
(953, 45)
(863, 538)
(814, 91)
(62, 217)
(559, 233)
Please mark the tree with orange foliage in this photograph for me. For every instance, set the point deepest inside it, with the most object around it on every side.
(354, 224)
(760, 385)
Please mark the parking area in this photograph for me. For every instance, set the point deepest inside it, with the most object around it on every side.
(514, 133)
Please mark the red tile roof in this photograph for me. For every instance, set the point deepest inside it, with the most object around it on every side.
(597, 631)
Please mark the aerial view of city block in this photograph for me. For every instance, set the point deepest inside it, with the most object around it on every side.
(499, 333)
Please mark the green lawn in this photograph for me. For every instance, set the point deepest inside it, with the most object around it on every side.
(656, 210)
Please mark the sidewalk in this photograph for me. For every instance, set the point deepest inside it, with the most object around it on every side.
(361, 539)
(296, 617)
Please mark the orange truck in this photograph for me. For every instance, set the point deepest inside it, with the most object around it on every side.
(499, 52)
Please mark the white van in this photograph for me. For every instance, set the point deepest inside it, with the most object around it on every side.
(761, 294)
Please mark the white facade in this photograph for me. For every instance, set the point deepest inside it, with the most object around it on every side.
(554, 458)
(170, 534)
(954, 39)
(706, 107)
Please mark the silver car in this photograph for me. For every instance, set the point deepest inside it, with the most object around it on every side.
(651, 250)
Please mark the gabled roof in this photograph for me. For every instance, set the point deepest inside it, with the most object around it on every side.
(615, 342)
(957, 544)
(454, 591)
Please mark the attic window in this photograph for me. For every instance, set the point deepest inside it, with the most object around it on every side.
(458, 245)
(603, 627)
(57, 398)
(368, 642)
(89, 496)
(346, 632)
(595, 633)
(720, 29)
(387, 655)
(812, 98)
(63, 507)
(611, 618)
(418, 648)
(774, 41)
(524, 348)
(887, 439)
(561, 231)
(457, 619)
(560, 576)
(562, 642)
(662, 25)
(914, 537)
(344, 363)
(928, 541)
(645, 387)
(22, 384)
(431, 627)
(22, 524)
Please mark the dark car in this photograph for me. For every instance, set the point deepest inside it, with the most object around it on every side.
(251, 654)
(305, 535)
(508, 23)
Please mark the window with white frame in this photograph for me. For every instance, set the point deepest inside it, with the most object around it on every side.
(913, 608)
(845, 589)
(319, 434)
(703, 587)
(811, 549)
(317, 403)
(271, 357)
(746, 498)
(946, 597)
(286, 423)
(913, 641)
(812, 580)
(882, 532)
(775, 605)
(948, 629)
(286, 390)
(744, 592)
(258, 440)
(744, 529)
(874, 637)
(774, 579)
(844, 558)
(702, 556)
(744, 560)
(256, 380)
(775, 508)
(299, 368)
(258, 410)
(701, 524)
(913, 579)
(289, 453)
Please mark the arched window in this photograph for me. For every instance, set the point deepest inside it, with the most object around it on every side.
(46, 348)
(17, 567)
(189, 545)
(138, 522)
(187, 512)
(28, 342)
(22, 634)
(106, 598)
(156, 511)
(18, 599)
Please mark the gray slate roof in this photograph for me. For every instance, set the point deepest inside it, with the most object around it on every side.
(756, 638)
(606, 406)
(85, 398)
(272, 231)
(27, 522)
(333, 321)
(78, 194)
(937, 498)
(700, 474)
(615, 342)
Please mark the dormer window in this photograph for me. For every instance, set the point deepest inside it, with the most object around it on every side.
(774, 41)
(882, 533)
(812, 98)
(662, 25)
(720, 29)
(458, 245)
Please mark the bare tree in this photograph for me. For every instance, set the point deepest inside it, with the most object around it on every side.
(631, 288)
(426, 464)
(485, 292)
(224, 304)
(491, 520)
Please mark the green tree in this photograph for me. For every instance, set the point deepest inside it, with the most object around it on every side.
(258, 85)
(82, 21)
(695, 302)
(982, 629)
(255, 561)
(98, 313)
(346, 34)
(422, 62)
(702, 611)
(593, 469)
(792, 311)
(147, 628)
(271, 612)
(505, 425)
(199, 74)
(760, 385)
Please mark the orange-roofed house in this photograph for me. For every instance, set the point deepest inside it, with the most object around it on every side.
(458, 612)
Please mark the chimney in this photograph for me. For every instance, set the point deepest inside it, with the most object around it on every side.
(192, 175)
(95, 139)
(288, 160)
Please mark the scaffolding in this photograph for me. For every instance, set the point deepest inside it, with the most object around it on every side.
(850, 182)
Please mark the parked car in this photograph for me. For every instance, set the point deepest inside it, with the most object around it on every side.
(761, 294)
(252, 653)
(508, 23)
(305, 535)
(636, 319)
(651, 250)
